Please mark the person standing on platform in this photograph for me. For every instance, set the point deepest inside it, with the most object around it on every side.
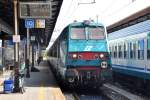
(38, 61)
(22, 75)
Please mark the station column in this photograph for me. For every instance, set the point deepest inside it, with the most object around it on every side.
(16, 51)
(28, 54)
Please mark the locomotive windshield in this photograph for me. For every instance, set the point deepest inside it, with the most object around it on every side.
(96, 32)
(78, 33)
(87, 33)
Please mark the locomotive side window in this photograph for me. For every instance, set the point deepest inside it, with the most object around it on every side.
(113, 50)
(78, 33)
(141, 49)
(148, 49)
(110, 50)
(96, 32)
(55, 51)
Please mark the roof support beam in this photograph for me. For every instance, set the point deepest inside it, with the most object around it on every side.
(5, 27)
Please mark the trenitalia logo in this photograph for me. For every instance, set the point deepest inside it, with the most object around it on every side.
(88, 48)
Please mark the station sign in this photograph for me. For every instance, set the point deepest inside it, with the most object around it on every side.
(40, 23)
(29, 23)
(16, 38)
(9, 42)
(40, 9)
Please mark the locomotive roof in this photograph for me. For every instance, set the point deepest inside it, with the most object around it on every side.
(89, 23)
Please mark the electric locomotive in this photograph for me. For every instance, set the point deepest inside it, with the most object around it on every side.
(80, 55)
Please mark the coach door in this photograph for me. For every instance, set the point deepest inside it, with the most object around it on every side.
(148, 54)
(141, 55)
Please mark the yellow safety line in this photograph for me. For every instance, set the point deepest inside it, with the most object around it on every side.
(57, 94)
(41, 93)
(1, 83)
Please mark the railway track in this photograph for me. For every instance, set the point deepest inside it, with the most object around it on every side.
(78, 95)
(69, 96)
(106, 92)
(116, 93)
(75, 96)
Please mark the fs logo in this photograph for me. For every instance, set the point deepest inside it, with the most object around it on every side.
(88, 48)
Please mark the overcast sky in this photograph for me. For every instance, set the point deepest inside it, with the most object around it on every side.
(105, 11)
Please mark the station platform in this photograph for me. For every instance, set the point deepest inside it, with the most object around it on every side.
(40, 86)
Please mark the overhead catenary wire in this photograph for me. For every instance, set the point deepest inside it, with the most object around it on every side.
(74, 10)
(118, 10)
(69, 14)
(68, 9)
(66, 13)
(109, 6)
(93, 2)
(87, 2)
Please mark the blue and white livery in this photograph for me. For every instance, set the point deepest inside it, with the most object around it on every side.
(130, 52)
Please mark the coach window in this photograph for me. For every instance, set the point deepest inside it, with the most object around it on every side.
(131, 50)
(148, 48)
(134, 49)
(120, 51)
(141, 49)
(115, 51)
(78, 33)
(125, 50)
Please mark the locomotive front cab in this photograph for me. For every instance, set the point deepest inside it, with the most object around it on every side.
(87, 52)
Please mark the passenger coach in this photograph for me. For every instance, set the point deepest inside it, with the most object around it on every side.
(130, 53)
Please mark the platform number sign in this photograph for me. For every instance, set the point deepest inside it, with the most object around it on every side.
(40, 23)
(29, 23)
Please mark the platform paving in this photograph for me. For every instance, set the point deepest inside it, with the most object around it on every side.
(40, 86)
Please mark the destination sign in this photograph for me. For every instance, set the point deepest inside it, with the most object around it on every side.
(35, 9)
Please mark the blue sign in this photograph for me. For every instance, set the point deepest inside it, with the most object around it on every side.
(9, 42)
(29, 23)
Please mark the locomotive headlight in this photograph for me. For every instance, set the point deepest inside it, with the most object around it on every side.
(74, 56)
(104, 64)
(101, 55)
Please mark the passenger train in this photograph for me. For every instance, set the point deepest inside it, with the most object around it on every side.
(130, 53)
(80, 55)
